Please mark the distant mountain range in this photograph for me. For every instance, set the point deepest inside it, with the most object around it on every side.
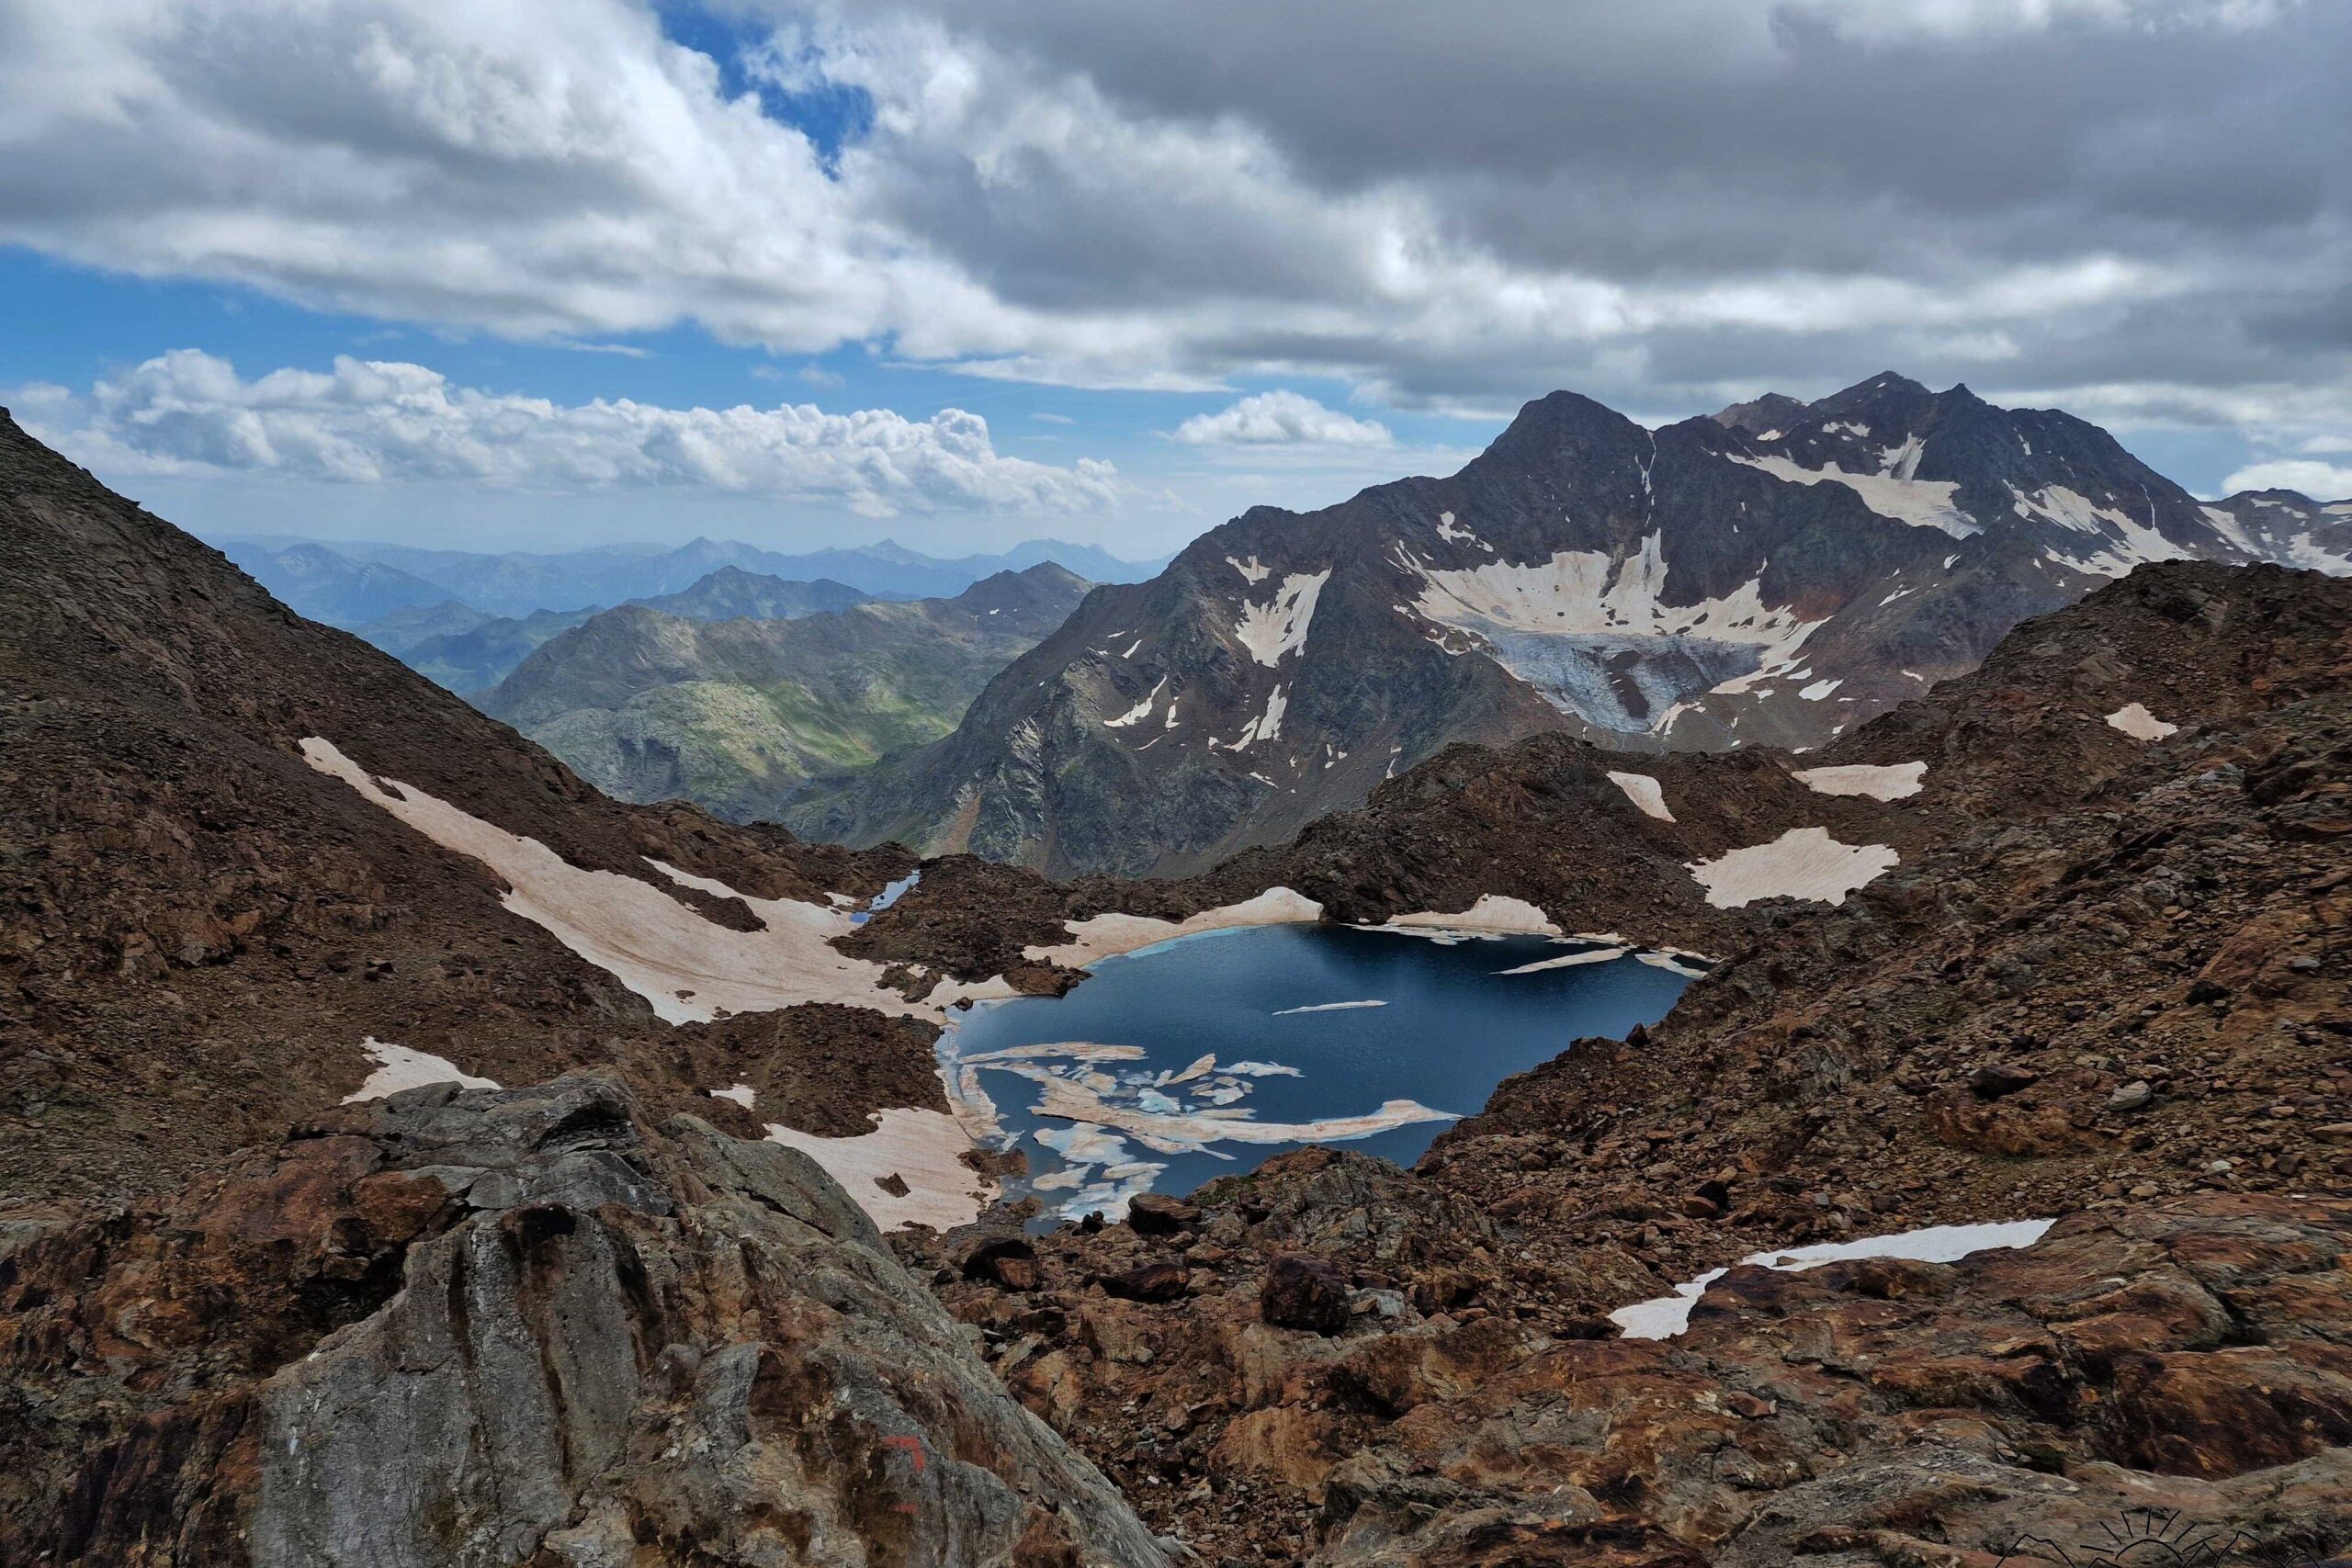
(467, 651)
(348, 583)
(733, 694)
(1777, 574)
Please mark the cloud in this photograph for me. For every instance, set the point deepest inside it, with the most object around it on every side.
(1280, 417)
(369, 422)
(2321, 482)
(1460, 208)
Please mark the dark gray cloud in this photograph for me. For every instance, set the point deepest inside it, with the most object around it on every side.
(2142, 208)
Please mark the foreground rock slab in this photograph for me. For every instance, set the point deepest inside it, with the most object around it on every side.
(496, 1328)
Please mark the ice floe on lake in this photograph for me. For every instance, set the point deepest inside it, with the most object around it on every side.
(1571, 960)
(1327, 1007)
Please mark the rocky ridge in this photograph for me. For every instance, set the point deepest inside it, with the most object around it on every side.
(1715, 583)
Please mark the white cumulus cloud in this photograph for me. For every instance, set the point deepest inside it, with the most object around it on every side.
(372, 420)
(2321, 482)
(1280, 417)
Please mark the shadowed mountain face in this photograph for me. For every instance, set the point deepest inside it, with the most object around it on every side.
(1775, 575)
(736, 714)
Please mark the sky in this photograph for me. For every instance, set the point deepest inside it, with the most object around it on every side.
(530, 276)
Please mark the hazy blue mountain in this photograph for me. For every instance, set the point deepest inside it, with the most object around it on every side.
(324, 584)
(517, 582)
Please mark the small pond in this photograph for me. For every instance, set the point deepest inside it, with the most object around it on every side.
(1206, 1056)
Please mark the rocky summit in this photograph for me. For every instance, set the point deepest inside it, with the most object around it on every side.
(1775, 575)
(410, 1154)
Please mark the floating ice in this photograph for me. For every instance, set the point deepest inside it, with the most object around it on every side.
(1570, 959)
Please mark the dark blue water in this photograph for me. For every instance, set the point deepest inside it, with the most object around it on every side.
(1452, 1027)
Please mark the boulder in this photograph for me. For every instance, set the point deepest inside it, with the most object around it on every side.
(1304, 1292)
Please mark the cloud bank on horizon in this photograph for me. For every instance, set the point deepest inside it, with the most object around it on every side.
(2138, 210)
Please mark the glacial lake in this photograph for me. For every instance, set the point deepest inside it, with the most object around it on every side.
(1163, 1063)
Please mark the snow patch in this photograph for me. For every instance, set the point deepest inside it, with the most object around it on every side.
(1819, 690)
(2136, 721)
(1447, 531)
(2124, 542)
(398, 1067)
(1106, 935)
(1271, 630)
(1645, 793)
(1804, 862)
(1923, 503)
(1139, 710)
(1666, 1316)
(920, 1148)
(1252, 572)
(1492, 913)
(687, 967)
(1893, 781)
(741, 1094)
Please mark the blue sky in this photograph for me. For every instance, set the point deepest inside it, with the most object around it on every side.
(1171, 279)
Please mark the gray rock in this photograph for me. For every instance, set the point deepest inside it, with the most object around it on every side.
(674, 1337)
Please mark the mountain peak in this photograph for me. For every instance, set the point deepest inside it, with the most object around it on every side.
(1772, 412)
(1555, 423)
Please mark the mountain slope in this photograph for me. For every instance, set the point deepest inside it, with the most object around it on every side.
(201, 930)
(737, 713)
(1701, 586)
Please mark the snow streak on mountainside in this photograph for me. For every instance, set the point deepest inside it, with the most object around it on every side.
(1777, 574)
